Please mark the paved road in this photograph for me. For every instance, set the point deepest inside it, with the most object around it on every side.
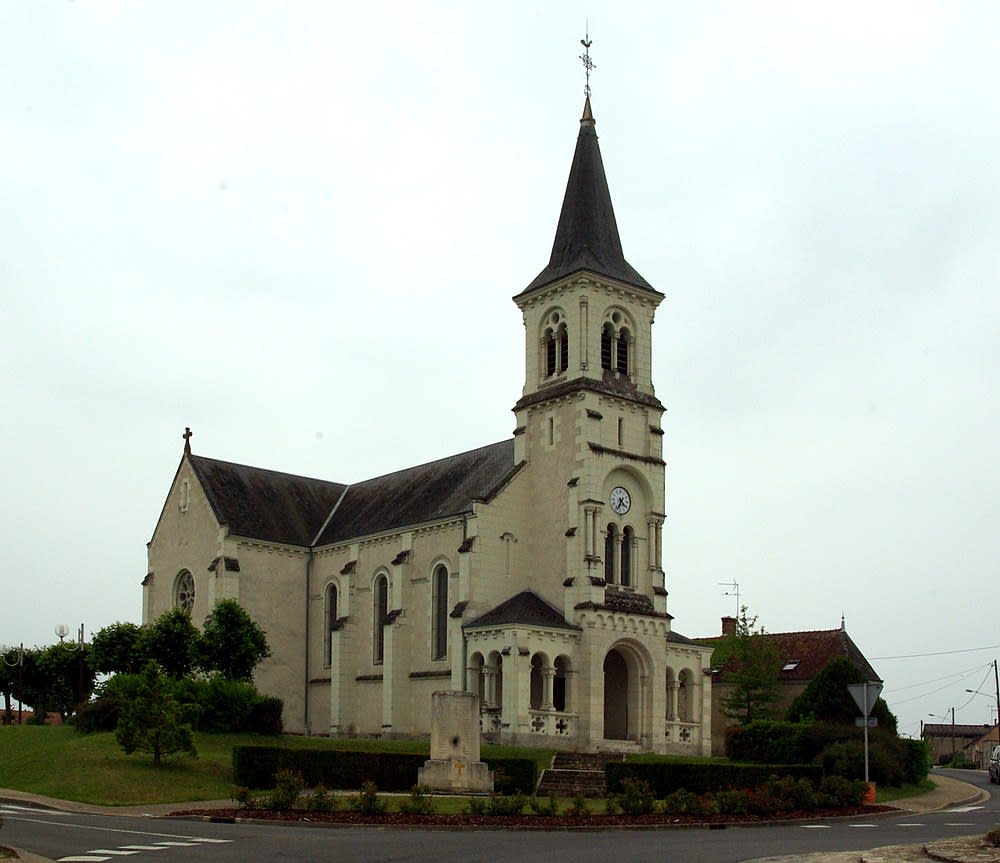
(97, 838)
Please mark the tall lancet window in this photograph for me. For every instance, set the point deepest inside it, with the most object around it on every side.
(610, 553)
(380, 611)
(439, 616)
(621, 362)
(627, 557)
(555, 344)
(607, 339)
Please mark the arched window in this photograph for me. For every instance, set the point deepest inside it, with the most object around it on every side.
(439, 613)
(550, 353)
(380, 610)
(560, 695)
(610, 549)
(184, 591)
(621, 362)
(537, 682)
(607, 337)
(555, 344)
(627, 557)
(329, 619)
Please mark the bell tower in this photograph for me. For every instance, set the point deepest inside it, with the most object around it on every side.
(588, 420)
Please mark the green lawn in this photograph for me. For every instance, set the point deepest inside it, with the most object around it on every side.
(91, 768)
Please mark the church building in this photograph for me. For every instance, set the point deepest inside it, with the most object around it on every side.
(529, 571)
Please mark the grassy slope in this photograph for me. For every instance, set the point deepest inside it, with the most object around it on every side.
(91, 768)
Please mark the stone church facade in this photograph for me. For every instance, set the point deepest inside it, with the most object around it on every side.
(529, 571)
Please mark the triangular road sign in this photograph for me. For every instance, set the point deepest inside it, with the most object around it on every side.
(858, 692)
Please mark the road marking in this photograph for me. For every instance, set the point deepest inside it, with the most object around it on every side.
(82, 858)
(10, 807)
(178, 844)
(959, 809)
(862, 825)
(960, 824)
(112, 851)
(212, 841)
(910, 824)
(815, 826)
(143, 847)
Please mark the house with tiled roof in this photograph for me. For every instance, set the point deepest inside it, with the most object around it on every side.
(528, 571)
(946, 740)
(803, 655)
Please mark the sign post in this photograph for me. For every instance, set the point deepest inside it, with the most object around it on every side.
(865, 695)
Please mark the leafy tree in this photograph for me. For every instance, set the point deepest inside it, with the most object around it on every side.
(118, 649)
(752, 667)
(232, 643)
(60, 673)
(9, 658)
(827, 697)
(171, 641)
(153, 721)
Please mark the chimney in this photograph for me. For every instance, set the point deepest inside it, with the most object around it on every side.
(729, 626)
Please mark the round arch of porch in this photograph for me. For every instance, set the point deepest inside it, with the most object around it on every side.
(627, 700)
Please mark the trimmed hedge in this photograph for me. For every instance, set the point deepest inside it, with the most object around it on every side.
(836, 746)
(700, 777)
(255, 767)
(765, 742)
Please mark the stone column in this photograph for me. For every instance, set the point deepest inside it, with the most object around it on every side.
(672, 688)
(548, 676)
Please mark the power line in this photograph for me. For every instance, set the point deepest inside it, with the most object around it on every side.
(938, 653)
(953, 675)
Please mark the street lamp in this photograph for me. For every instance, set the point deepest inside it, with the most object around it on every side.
(18, 663)
(61, 632)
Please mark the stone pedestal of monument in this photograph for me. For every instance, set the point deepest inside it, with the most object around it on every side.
(454, 764)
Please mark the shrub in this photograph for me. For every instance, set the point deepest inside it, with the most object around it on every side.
(700, 777)
(706, 806)
(245, 798)
(367, 801)
(765, 742)
(836, 792)
(255, 766)
(476, 806)
(512, 775)
(733, 801)
(321, 800)
(611, 805)
(578, 807)
(993, 837)
(679, 802)
(636, 797)
(418, 803)
(545, 806)
(501, 804)
(99, 715)
(265, 716)
(288, 786)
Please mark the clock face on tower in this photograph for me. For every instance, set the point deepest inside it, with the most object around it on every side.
(621, 501)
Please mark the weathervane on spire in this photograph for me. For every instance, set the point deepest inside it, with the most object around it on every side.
(588, 64)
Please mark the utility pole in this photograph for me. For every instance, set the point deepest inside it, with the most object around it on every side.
(996, 681)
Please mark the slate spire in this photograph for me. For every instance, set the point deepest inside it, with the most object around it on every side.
(587, 233)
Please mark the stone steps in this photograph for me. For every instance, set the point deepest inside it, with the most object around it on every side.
(575, 773)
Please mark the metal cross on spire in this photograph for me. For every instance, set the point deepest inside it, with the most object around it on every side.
(588, 64)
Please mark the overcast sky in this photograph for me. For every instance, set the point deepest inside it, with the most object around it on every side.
(297, 228)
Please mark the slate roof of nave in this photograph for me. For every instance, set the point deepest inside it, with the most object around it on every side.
(279, 507)
(526, 608)
(424, 493)
(266, 504)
